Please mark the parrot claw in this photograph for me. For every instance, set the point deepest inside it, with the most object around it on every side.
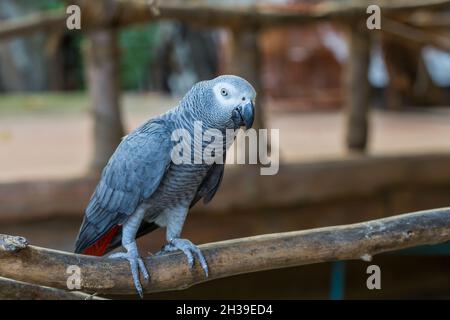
(189, 249)
(136, 265)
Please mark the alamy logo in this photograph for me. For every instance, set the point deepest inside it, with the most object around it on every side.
(74, 279)
(208, 146)
(374, 20)
(374, 280)
(73, 21)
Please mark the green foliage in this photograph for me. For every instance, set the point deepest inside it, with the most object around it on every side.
(77, 59)
(137, 45)
(50, 4)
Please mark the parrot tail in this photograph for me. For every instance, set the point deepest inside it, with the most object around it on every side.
(99, 247)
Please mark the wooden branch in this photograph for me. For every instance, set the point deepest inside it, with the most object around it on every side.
(17, 290)
(227, 258)
(12, 244)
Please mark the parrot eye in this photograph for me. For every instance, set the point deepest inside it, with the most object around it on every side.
(223, 92)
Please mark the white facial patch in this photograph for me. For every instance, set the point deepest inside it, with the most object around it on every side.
(226, 94)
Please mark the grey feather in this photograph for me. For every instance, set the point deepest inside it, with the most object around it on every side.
(210, 184)
(132, 174)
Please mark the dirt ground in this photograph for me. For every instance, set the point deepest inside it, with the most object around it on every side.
(55, 145)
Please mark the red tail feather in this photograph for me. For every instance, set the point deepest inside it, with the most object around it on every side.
(99, 248)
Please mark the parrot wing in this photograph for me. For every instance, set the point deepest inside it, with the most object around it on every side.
(132, 174)
(210, 184)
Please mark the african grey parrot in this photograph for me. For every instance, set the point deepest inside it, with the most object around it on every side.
(142, 188)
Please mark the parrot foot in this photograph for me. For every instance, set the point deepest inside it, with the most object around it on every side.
(136, 265)
(189, 249)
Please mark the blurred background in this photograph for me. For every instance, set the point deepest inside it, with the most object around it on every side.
(363, 115)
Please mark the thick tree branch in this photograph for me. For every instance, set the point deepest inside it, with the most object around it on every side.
(169, 272)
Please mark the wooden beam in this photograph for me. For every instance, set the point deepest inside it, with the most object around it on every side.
(254, 12)
(357, 87)
(415, 35)
(126, 12)
(31, 24)
(227, 258)
(439, 20)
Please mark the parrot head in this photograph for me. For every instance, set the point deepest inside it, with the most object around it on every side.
(227, 101)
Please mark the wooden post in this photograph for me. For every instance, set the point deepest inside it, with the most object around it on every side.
(246, 62)
(357, 86)
(102, 57)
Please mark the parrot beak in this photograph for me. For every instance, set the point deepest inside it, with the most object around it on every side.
(244, 115)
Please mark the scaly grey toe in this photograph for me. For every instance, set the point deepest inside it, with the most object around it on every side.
(189, 249)
(136, 265)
